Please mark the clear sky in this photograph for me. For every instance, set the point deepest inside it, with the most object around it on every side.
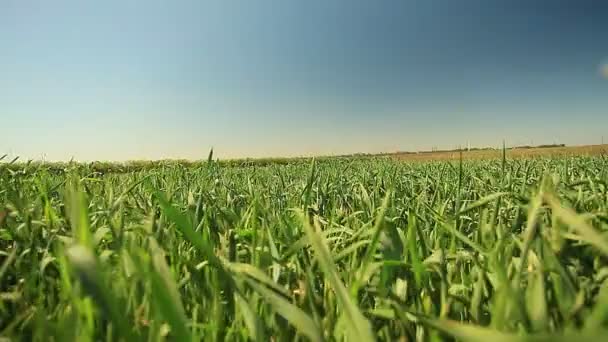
(116, 80)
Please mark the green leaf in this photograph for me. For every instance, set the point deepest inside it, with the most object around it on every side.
(587, 233)
(471, 333)
(257, 274)
(482, 202)
(298, 318)
(79, 215)
(252, 321)
(358, 327)
(87, 269)
(371, 249)
(536, 303)
(164, 291)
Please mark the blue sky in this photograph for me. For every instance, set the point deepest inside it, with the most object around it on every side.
(116, 80)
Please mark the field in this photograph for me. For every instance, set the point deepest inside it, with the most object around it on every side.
(334, 249)
(515, 153)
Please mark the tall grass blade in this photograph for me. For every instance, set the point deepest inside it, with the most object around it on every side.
(358, 327)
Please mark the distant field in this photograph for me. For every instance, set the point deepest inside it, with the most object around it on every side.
(587, 150)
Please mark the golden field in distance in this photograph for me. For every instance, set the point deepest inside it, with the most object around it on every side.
(531, 152)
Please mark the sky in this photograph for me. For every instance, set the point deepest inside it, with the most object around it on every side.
(120, 80)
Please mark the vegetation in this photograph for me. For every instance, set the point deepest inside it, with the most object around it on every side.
(520, 152)
(338, 249)
(462, 148)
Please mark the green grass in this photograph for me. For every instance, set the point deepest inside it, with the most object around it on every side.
(341, 249)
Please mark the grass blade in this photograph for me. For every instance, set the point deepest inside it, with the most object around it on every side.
(359, 328)
(298, 318)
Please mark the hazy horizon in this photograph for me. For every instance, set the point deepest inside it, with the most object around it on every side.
(157, 79)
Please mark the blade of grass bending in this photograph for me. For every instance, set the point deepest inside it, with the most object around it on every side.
(481, 202)
(79, 216)
(185, 227)
(450, 227)
(252, 321)
(599, 314)
(7, 262)
(468, 332)
(412, 246)
(578, 223)
(274, 252)
(352, 248)
(535, 296)
(530, 233)
(298, 318)
(123, 195)
(197, 240)
(257, 274)
(359, 328)
(86, 268)
(371, 249)
(164, 291)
